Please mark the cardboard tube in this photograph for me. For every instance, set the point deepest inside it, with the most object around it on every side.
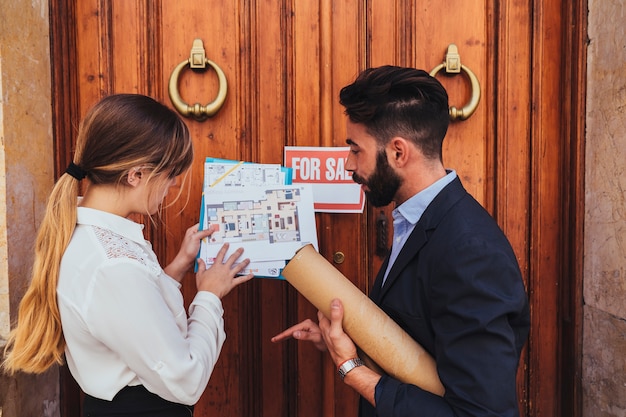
(373, 331)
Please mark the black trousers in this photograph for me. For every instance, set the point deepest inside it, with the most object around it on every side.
(134, 402)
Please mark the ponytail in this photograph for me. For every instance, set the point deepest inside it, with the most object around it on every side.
(37, 342)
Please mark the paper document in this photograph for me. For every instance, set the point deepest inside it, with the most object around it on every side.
(256, 208)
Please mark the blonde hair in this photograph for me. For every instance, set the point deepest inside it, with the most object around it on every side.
(119, 133)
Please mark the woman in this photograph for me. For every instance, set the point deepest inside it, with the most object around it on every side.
(98, 294)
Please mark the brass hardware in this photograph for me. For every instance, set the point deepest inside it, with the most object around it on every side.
(339, 257)
(452, 65)
(197, 60)
(382, 230)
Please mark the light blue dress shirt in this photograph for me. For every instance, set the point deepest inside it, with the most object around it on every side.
(406, 215)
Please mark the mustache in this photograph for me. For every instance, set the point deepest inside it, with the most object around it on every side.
(357, 178)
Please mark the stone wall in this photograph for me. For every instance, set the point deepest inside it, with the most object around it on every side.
(604, 332)
(26, 177)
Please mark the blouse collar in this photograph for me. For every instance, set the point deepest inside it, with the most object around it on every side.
(120, 225)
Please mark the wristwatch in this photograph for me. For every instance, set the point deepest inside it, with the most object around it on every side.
(349, 365)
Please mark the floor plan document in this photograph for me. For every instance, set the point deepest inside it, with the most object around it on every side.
(257, 211)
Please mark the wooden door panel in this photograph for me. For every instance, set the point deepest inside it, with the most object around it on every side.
(464, 24)
(223, 136)
(285, 62)
(308, 125)
(511, 142)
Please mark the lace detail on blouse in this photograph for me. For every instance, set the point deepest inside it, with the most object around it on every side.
(117, 246)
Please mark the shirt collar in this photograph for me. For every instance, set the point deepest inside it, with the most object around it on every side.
(413, 208)
(120, 225)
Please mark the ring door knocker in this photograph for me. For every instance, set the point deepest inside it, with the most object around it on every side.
(452, 65)
(197, 60)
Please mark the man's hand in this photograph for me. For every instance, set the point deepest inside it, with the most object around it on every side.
(306, 330)
(339, 344)
(329, 335)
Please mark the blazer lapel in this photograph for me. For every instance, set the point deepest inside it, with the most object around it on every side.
(375, 291)
(435, 211)
(411, 248)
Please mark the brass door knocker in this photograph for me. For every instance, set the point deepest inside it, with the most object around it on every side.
(452, 65)
(197, 59)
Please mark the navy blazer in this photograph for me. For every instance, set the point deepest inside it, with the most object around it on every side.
(456, 288)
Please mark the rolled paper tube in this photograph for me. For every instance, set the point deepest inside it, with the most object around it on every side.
(371, 329)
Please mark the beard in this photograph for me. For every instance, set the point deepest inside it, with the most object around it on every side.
(383, 184)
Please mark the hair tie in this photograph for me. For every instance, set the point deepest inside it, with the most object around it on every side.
(76, 171)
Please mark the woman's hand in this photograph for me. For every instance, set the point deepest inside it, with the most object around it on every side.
(188, 251)
(222, 276)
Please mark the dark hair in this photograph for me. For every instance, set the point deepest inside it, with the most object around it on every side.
(395, 101)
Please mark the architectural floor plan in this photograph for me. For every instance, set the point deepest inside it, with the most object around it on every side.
(271, 222)
(273, 219)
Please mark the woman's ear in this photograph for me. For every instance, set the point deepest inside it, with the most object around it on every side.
(134, 176)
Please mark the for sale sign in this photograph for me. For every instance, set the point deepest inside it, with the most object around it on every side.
(334, 191)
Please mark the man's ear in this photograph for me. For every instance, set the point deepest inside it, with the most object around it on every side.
(399, 150)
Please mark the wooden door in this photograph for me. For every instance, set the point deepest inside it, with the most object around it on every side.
(285, 61)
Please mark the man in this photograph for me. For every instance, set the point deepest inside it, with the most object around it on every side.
(451, 281)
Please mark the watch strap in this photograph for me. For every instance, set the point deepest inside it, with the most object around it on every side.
(349, 365)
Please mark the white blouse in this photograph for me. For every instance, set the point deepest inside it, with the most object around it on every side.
(124, 320)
